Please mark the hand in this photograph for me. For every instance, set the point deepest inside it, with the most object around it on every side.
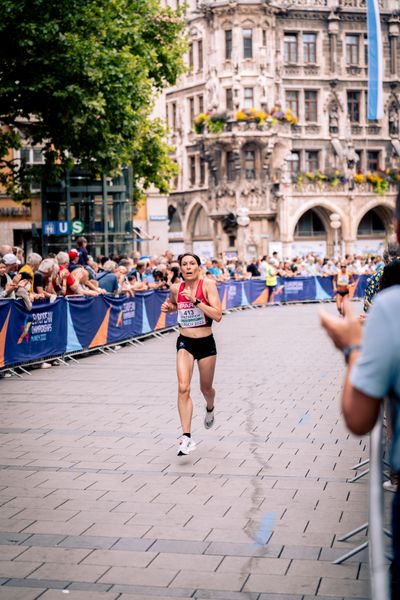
(10, 287)
(342, 331)
(188, 295)
(167, 306)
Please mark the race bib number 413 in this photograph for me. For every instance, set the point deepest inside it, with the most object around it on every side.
(189, 315)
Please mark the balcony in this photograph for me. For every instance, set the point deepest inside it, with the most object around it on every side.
(247, 122)
(355, 4)
(335, 182)
(374, 130)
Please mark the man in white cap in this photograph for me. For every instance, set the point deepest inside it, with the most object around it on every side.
(12, 263)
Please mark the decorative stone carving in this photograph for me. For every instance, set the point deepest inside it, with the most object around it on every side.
(263, 85)
(212, 90)
(334, 118)
(393, 120)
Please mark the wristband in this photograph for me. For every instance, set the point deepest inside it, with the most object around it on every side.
(347, 350)
(197, 301)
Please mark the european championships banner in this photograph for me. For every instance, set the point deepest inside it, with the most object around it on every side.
(78, 323)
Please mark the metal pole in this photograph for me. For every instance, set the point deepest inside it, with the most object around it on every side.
(377, 562)
(336, 243)
(105, 209)
(68, 201)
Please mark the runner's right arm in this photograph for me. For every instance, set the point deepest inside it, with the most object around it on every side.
(170, 305)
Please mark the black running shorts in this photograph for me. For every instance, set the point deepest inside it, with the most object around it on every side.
(198, 347)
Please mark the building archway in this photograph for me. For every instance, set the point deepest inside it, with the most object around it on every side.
(201, 231)
(373, 229)
(312, 233)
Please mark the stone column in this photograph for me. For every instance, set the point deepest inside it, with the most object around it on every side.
(333, 31)
(349, 246)
(394, 32)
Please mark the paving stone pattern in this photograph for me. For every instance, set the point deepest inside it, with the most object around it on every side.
(95, 502)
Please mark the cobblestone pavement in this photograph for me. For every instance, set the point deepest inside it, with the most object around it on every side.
(96, 504)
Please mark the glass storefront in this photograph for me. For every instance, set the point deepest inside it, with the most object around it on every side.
(100, 210)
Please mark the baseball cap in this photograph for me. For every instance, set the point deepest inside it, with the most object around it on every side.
(73, 254)
(11, 259)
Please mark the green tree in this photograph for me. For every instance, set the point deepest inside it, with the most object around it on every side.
(80, 78)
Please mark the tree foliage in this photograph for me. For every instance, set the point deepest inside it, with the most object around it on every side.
(80, 79)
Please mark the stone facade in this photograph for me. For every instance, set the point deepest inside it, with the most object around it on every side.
(251, 58)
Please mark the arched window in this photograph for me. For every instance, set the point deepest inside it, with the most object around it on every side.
(371, 224)
(201, 227)
(310, 225)
(175, 223)
(250, 161)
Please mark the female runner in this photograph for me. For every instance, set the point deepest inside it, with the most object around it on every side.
(198, 305)
(341, 286)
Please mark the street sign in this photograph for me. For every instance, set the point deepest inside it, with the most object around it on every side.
(78, 227)
(55, 228)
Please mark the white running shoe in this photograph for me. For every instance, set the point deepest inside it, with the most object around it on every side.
(186, 445)
(388, 485)
(209, 419)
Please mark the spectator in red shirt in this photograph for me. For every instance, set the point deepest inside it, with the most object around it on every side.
(73, 260)
(65, 281)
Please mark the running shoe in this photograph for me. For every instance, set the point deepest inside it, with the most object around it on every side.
(186, 445)
(209, 419)
(391, 487)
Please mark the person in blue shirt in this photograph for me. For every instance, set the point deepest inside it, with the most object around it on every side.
(373, 374)
(108, 279)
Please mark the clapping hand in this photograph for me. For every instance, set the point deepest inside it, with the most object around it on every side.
(342, 332)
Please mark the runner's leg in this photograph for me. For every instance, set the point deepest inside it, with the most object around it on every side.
(206, 371)
(184, 370)
(339, 303)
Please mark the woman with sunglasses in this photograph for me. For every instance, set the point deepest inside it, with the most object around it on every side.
(341, 285)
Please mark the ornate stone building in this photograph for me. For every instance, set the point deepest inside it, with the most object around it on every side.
(253, 65)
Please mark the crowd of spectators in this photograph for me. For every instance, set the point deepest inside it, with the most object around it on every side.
(76, 272)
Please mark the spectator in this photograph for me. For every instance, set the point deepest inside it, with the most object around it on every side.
(73, 260)
(44, 278)
(5, 249)
(23, 288)
(173, 274)
(252, 268)
(19, 253)
(390, 275)
(214, 268)
(392, 252)
(139, 272)
(65, 281)
(373, 373)
(263, 267)
(83, 284)
(83, 259)
(125, 286)
(7, 286)
(271, 280)
(31, 266)
(12, 264)
(108, 279)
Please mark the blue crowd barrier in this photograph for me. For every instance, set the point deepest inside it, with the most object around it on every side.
(79, 323)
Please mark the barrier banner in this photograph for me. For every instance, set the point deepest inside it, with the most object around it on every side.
(40, 333)
(78, 323)
(299, 289)
(124, 322)
(88, 319)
